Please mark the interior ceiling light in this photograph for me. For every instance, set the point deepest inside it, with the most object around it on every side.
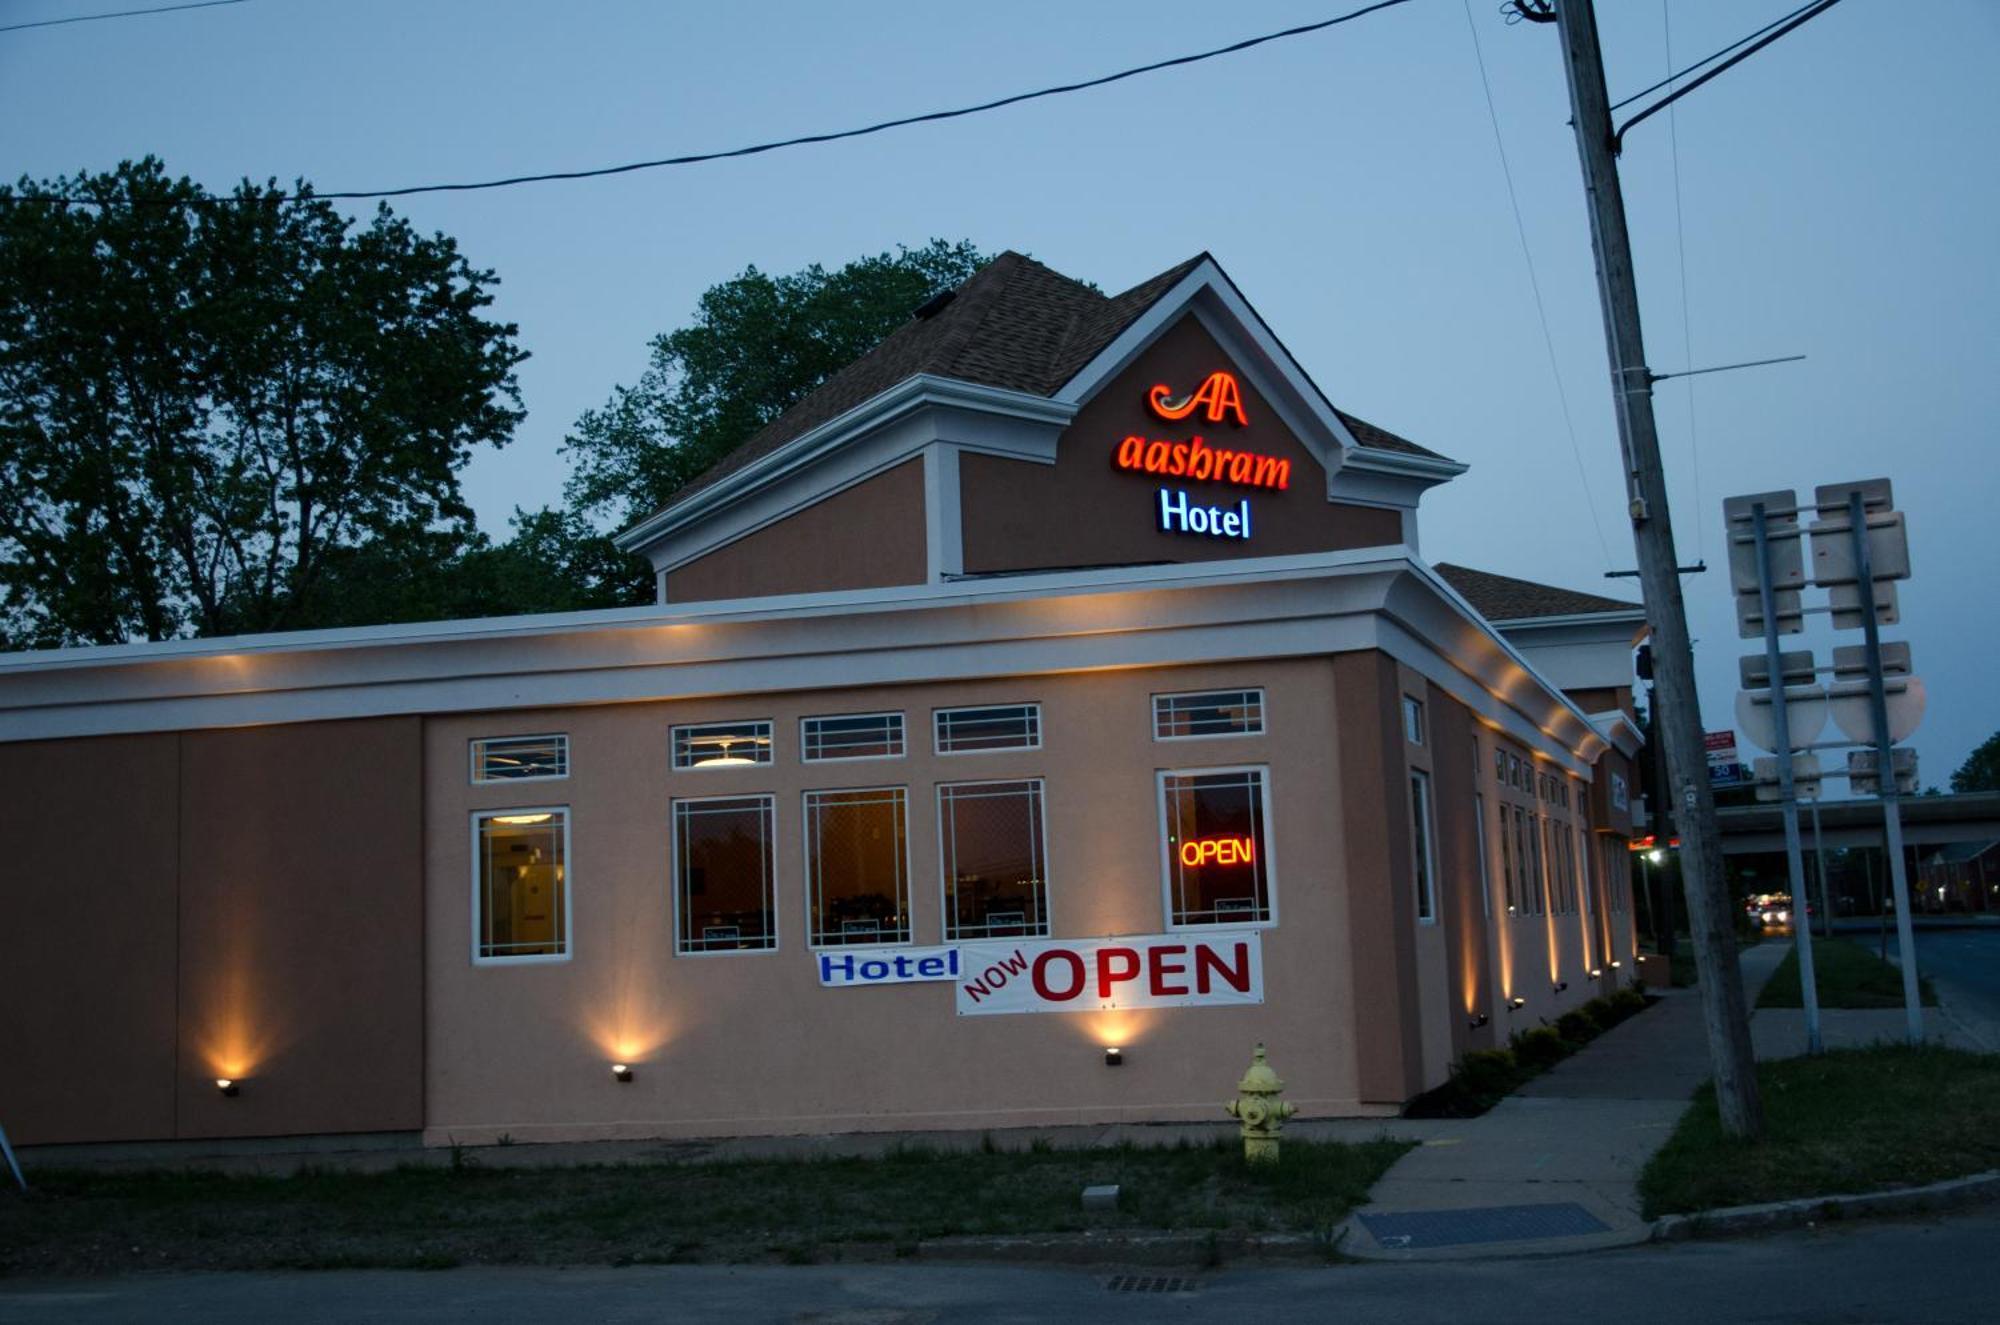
(522, 818)
(726, 759)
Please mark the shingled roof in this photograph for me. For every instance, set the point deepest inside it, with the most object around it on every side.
(1014, 323)
(1504, 598)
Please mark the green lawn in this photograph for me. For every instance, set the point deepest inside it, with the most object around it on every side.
(749, 1210)
(1854, 1120)
(1846, 974)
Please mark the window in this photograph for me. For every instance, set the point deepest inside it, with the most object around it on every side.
(722, 745)
(723, 893)
(1528, 858)
(520, 888)
(1426, 845)
(1216, 849)
(994, 854)
(1413, 720)
(1005, 727)
(1621, 796)
(1500, 766)
(1208, 713)
(1507, 858)
(1479, 844)
(854, 736)
(1514, 772)
(857, 866)
(520, 758)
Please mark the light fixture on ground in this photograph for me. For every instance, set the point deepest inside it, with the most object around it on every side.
(229, 1087)
(1516, 1003)
(1561, 985)
(1596, 971)
(622, 1072)
(1479, 1019)
(1114, 1056)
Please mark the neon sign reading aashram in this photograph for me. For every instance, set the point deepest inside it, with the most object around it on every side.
(1219, 399)
(1196, 459)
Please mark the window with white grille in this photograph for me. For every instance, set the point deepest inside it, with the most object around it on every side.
(998, 727)
(857, 866)
(994, 853)
(723, 894)
(721, 744)
(1208, 713)
(520, 758)
(851, 736)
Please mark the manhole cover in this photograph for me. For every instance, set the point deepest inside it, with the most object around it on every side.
(1417, 1229)
(1152, 1283)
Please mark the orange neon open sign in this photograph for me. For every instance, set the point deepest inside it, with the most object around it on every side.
(1218, 851)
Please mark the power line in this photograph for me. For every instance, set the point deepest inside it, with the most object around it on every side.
(1687, 318)
(1535, 284)
(1786, 25)
(121, 13)
(697, 158)
(1710, 58)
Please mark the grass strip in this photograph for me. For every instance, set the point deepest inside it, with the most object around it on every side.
(1855, 1120)
(1846, 974)
(793, 1211)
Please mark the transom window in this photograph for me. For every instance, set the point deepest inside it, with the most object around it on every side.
(994, 854)
(1208, 713)
(520, 758)
(520, 885)
(723, 894)
(852, 736)
(722, 744)
(1413, 720)
(1002, 727)
(857, 866)
(1217, 848)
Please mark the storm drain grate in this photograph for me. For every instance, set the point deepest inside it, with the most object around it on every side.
(1152, 1283)
(1410, 1230)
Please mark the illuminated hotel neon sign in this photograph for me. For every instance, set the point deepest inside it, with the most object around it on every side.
(1218, 399)
(1218, 851)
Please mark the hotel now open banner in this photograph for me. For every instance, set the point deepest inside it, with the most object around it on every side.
(1224, 969)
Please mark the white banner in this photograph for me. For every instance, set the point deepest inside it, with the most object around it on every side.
(1222, 969)
(887, 966)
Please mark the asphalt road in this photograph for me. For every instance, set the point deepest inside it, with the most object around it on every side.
(1934, 1271)
(1965, 966)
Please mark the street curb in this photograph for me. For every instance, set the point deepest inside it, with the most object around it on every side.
(1980, 1187)
(1130, 1247)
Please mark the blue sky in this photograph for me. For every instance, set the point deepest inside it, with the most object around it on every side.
(1838, 193)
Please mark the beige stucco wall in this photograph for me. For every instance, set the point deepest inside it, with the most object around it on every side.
(867, 536)
(748, 1043)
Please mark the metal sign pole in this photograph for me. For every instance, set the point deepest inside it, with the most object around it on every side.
(1787, 792)
(1819, 862)
(1885, 764)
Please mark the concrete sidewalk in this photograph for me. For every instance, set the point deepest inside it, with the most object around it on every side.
(1554, 1167)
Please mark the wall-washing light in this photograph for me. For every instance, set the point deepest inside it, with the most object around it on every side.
(1114, 1056)
(1615, 964)
(1479, 1020)
(1596, 971)
(623, 1072)
(1561, 985)
(1516, 1003)
(229, 1088)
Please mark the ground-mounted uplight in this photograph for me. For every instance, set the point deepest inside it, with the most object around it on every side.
(228, 1087)
(1478, 1020)
(1516, 1003)
(1114, 1056)
(1615, 964)
(1596, 971)
(1560, 985)
(622, 1072)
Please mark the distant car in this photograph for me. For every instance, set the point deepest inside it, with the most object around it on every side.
(1775, 913)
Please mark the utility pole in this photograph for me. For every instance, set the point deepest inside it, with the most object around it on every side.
(1679, 719)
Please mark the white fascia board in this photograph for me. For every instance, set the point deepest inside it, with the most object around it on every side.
(912, 393)
(1617, 727)
(1428, 469)
(1228, 317)
(1627, 623)
(1307, 605)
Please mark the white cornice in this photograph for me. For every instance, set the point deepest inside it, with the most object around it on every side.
(1617, 727)
(1299, 606)
(911, 394)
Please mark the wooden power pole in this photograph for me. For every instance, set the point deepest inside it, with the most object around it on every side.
(1679, 727)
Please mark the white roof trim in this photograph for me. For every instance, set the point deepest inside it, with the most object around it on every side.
(1618, 728)
(912, 393)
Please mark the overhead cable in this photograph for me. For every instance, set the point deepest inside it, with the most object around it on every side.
(119, 13)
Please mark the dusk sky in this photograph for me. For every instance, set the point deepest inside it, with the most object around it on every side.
(1838, 191)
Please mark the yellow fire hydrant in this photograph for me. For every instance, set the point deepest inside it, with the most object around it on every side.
(1260, 1111)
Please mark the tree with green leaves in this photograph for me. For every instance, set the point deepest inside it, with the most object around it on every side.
(209, 402)
(1981, 769)
(757, 345)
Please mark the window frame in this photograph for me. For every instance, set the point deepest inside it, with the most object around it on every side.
(1263, 713)
(1485, 870)
(902, 730)
(769, 749)
(946, 911)
(770, 798)
(1426, 891)
(474, 743)
(1174, 926)
(568, 899)
(1415, 728)
(811, 888)
(1034, 707)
